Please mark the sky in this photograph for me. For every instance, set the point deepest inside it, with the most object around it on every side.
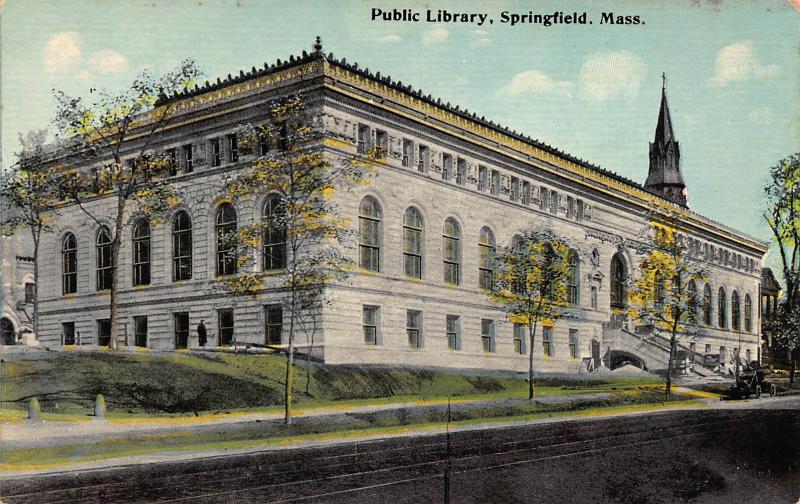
(732, 71)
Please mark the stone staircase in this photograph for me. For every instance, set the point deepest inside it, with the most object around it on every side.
(650, 348)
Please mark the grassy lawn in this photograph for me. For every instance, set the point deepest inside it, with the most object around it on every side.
(140, 384)
(264, 434)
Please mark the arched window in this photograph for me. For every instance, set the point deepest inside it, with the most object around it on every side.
(735, 325)
(748, 313)
(225, 228)
(721, 309)
(451, 236)
(103, 253)
(273, 252)
(707, 305)
(573, 277)
(369, 226)
(618, 279)
(692, 301)
(141, 253)
(412, 243)
(486, 249)
(69, 264)
(181, 247)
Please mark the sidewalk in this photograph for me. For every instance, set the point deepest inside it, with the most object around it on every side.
(50, 433)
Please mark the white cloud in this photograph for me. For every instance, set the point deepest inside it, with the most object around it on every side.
(739, 62)
(535, 82)
(107, 62)
(763, 115)
(606, 75)
(61, 52)
(435, 36)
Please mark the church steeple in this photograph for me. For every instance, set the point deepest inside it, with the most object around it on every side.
(665, 176)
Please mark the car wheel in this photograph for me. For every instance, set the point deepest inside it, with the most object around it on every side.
(773, 390)
(758, 391)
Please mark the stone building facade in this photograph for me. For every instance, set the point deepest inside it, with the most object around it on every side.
(456, 182)
(16, 324)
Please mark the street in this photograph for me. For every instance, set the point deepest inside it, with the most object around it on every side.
(745, 451)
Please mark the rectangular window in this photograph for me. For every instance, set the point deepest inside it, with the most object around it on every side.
(461, 171)
(708, 349)
(573, 343)
(68, 333)
(408, 152)
(424, 161)
(225, 326)
(495, 187)
(547, 341)
(233, 148)
(381, 144)
(526, 193)
(594, 297)
(554, 200)
(181, 321)
(723, 354)
(487, 335)
(30, 293)
(453, 329)
(483, 178)
(140, 331)
(414, 328)
(514, 189)
(216, 155)
(519, 338)
(447, 166)
(570, 207)
(172, 160)
(188, 159)
(363, 144)
(579, 215)
(543, 198)
(104, 332)
(273, 316)
(369, 323)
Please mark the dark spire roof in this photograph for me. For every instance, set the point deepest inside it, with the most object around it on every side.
(664, 132)
(664, 176)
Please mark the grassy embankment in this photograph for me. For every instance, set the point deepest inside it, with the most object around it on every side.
(190, 384)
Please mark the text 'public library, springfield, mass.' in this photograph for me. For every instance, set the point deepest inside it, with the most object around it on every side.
(449, 188)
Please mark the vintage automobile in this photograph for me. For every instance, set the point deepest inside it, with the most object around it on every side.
(752, 383)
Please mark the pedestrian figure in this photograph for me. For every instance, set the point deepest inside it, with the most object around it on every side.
(201, 334)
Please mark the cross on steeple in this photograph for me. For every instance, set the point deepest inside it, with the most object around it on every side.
(663, 81)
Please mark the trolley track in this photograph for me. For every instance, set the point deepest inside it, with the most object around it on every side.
(307, 474)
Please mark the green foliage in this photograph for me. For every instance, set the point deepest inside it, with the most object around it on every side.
(100, 131)
(531, 277)
(783, 217)
(293, 169)
(662, 296)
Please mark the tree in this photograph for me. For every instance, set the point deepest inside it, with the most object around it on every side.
(531, 283)
(783, 217)
(118, 131)
(301, 237)
(29, 193)
(663, 296)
